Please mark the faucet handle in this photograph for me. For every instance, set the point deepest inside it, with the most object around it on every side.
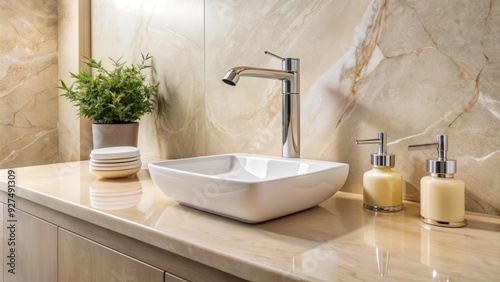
(288, 64)
(274, 55)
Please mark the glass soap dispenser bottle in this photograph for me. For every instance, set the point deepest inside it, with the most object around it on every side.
(442, 196)
(382, 186)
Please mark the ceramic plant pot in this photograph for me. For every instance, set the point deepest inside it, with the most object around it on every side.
(116, 134)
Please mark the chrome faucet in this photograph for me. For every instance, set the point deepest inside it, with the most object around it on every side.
(290, 77)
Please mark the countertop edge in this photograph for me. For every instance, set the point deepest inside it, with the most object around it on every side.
(246, 269)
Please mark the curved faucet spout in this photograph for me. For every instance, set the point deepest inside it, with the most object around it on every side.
(233, 75)
(290, 77)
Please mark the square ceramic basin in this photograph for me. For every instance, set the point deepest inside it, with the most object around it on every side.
(249, 188)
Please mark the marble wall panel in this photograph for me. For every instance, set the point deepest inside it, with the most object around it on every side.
(247, 118)
(28, 80)
(69, 129)
(455, 96)
(413, 69)
(172, 32)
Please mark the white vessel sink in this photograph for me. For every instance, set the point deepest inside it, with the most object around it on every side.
(249, 188)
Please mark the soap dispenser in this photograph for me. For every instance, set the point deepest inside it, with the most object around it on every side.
(382, 186)
(442, 196)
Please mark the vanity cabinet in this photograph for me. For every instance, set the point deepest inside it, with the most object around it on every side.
(2, 240)
(54, 246)
(83, 260)
(44, 252)
(171, 278)
(29, 248)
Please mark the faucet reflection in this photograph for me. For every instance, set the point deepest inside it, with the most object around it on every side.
(290, 77)
(382, 260)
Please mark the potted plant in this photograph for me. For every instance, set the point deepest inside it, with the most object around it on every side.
(114, 99)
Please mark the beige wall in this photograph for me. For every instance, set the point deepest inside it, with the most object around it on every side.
(75, 137)
(413, 69)
(28, 80)
(69, 126)
(172, 31)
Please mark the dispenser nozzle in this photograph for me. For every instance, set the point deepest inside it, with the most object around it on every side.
(381, 158)
(441, 144)
(381, 141)
(442, 165)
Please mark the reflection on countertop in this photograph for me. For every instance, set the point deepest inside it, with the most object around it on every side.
(336, 240)
(115, 194)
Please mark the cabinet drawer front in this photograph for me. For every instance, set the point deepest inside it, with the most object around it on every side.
(83, 260)
(31, 252)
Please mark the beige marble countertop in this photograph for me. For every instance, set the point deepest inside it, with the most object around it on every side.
(336, 240)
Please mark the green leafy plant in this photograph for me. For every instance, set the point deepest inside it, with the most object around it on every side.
(120, 95)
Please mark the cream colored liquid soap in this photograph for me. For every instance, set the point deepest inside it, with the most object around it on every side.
(442, 196)
(382, 186)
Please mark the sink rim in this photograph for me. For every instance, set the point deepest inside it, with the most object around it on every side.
(327, 165)
(245, 198)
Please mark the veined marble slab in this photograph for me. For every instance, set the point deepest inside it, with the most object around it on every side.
(414, 69)
(28, 81)
(335, 241)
